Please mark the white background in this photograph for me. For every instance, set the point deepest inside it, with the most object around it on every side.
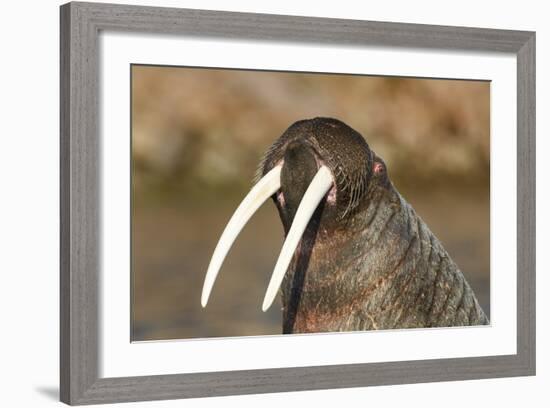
(29, 203)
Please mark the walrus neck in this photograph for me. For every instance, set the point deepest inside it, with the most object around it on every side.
(321, 278)
(385, 270)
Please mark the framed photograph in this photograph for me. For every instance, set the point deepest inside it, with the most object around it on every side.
(259, 203)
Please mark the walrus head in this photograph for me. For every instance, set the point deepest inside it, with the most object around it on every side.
(319, 173)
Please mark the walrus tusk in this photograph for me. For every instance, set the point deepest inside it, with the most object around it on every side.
(317, 189)
(264, 189)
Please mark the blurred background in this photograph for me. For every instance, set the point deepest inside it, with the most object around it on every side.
(197, 137)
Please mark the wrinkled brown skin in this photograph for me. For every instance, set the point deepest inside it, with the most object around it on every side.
(367, 261)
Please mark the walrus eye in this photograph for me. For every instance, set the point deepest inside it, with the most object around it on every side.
(378, 168)
(265, 188)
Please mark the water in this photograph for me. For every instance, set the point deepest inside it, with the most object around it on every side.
(172, 245)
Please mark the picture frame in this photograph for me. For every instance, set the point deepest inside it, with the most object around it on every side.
(80, 155)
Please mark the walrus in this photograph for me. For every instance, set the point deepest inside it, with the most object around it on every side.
(356, 255)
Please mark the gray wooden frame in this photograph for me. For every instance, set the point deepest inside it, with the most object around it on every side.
(80, 234)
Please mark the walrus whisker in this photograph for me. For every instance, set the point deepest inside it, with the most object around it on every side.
(316, 191)
(264, 189)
